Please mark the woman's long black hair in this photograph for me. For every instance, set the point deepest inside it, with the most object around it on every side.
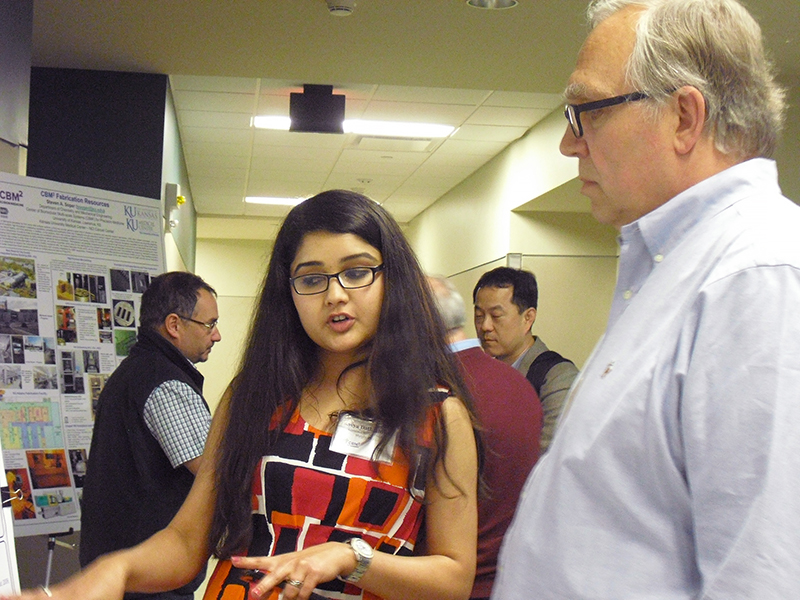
(407, 359)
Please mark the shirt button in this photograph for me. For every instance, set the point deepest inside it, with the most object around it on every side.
(658, 258)
(627, 295)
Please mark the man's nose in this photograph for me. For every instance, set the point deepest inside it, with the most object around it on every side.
(570, 145)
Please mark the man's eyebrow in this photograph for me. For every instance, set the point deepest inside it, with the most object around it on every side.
(494, 307)
(579, 91)
(574, 90)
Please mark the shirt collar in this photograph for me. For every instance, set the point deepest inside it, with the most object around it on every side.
(465, 345)
(663, 228)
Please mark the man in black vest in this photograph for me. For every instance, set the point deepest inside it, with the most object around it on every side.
(151, 424)
(505, 302)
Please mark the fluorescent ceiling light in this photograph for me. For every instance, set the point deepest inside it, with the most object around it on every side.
(272, 123)
(273, 201)
(396, 129)
(376, 128)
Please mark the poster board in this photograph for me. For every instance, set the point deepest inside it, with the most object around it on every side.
(9, 575)
(74, 262)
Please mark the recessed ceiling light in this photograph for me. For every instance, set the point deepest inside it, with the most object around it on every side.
(362, 127)
(493, 4)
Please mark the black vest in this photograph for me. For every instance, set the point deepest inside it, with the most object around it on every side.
(131, 490)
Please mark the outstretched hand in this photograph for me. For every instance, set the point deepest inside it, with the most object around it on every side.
(298, 573)
(100, 581)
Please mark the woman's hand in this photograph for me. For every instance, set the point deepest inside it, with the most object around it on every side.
(299, 572)
(102, 580)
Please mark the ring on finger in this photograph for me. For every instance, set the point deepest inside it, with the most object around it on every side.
(295, 583)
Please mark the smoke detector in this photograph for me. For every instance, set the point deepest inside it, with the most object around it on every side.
(341, 8)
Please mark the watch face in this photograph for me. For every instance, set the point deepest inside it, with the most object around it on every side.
(362, 547)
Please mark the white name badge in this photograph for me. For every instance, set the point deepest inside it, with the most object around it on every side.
(354, 436)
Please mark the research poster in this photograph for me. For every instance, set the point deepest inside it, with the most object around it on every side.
(9, 575)
(74, 262)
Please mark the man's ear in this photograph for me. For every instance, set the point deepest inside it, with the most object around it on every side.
(171, 325)
(691, 110)
(530, 316)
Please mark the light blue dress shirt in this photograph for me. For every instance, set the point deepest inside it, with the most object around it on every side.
(676, 471)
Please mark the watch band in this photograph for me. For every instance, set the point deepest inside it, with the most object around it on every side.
(363, 552)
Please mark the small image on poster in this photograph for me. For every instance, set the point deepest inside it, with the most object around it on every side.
(124, 313)
(17, 277)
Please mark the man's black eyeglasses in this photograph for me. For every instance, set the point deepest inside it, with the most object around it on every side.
(573, 111)
(209, 326)
(349, 279)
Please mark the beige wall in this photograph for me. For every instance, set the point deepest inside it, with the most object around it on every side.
(526, 201)
(507, 207)
(235, 269)
(788, 154)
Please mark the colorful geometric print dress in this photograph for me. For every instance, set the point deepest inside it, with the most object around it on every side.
(306, 494)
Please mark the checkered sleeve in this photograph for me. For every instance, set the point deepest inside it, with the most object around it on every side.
(178, 418)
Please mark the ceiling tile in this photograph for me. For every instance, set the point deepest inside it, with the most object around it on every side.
(283, 189)
(214, 101)
(452, 146)
(214, 120)
(211, 203)
(489, 133)
(498, 115)
(203, 83)
(262, 164)
(371, 157)
(204, 148)
(395, 93)
(525, 100)
(418, 112)
(242, 137)
(268, 137)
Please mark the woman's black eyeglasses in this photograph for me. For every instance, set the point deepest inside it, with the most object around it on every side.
(349, 279)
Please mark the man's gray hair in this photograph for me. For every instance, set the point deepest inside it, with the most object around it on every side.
(449, 301)
(715, 46)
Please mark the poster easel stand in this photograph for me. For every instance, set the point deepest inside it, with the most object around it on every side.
(51, 546)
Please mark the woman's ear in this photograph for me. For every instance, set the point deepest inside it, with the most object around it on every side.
(691, 111)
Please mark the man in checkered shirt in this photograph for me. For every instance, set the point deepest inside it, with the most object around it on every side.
(151, 423)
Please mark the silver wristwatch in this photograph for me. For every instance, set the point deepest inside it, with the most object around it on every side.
(363, 552)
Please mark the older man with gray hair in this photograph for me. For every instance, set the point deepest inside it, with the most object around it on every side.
(674, 475)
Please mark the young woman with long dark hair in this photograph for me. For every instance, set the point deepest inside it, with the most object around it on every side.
(341, 462)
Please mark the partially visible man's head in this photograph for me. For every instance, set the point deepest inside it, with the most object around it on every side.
(182, 308)
(710, 100)
(448, 301)
(715, 46)
(505, 302)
